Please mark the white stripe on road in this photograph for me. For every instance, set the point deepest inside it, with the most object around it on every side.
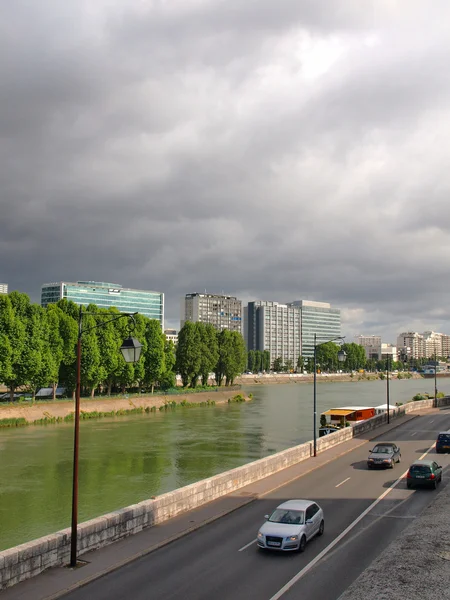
(246, 546)
(413, 433)
(342, 482)
(325, 551)
(432, 420)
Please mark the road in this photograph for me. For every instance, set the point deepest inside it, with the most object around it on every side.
(364, 511)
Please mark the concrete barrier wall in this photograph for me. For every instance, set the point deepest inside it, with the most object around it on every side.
(30, 559)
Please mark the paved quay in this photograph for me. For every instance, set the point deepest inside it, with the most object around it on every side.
(416, 564)
(58, 581)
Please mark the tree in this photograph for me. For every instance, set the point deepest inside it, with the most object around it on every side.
(209, 350)
(251, 361)
(289, 365)
(61, 340)
(188, 354)
(265, 366)
(326, 356)
(232, 356)
(168, 377)
(278, 364)
(300, 363)
(154, 353)
(356, 357)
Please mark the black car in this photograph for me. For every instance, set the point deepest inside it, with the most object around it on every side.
(443, 442)
(384, 454)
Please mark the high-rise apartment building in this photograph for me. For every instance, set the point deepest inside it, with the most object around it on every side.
(389, 351)
(413, 341)
(171, 335)
(223, 312)
(274, 327)
(371, 345)
(320, 319)
(106, 295)
(432, 343)
(3, 288)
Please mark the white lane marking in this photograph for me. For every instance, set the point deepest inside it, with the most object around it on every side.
(395, 516)
(315, 560)
(247, 545)
(432, 420)
(413, 433)
(342, 482)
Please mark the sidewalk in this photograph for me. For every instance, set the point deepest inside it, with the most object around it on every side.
(58, 581)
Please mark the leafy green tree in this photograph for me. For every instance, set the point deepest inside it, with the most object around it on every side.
(154, 353)
(5, 358)
(326, 356)
(209, 350)
(289, 365)
(168, 377)
(232, 356)
(251, 361)
(60, 343)
(300, 363)
(278, 364)
(265, 366)
(188, 354)
(109, 340)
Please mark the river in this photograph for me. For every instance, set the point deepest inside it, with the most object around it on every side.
(129, 459)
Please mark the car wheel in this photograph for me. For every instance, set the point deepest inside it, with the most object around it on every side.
(435, 484)
(408, 485)
(302, 545)
(369, 466)
(321, 527)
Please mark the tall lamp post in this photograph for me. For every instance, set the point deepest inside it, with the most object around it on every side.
(435, 378)
(341, 357)
(131, 352)
(387, 389)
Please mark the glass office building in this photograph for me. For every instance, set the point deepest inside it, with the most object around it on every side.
(105, 295)
(320, 319)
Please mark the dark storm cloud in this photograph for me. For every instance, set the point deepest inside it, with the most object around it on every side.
(278, 151)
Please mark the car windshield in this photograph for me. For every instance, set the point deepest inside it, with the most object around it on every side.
(289, 517)
(382, 450)
(444, 437)
(420, 469)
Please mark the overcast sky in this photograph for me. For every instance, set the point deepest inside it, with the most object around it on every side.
(272, 150)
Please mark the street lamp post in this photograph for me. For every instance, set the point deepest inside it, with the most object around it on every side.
(435, 379)
(341, 357)
(387, 388)
(131, 351)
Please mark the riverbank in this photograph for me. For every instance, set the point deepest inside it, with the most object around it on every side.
(60, 409)
(321, 377)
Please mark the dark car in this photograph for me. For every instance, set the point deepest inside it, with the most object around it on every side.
(384, 454)
(443, 442)
(424, 473)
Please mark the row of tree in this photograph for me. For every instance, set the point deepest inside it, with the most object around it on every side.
(327, 360)
(38, 349)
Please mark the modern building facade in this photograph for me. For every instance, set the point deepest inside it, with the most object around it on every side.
(3, 288)
(106, 295)
(389, 351)
(432, 343)
(320, 319)
(274, 327)
(413, 341)
(223, 312)
(371, 345)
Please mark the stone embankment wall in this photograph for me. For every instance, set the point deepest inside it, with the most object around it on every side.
(30, 559)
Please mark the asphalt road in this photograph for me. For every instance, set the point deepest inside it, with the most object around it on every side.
(364, 511)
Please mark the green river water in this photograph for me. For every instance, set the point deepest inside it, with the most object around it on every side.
(129, 459)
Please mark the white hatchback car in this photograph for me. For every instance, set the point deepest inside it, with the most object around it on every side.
(291, 525)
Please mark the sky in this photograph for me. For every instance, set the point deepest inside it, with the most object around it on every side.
(286, 150)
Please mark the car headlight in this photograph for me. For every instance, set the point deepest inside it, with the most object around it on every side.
(260, 535)
(370, 459)
(292, 538)
(387, 460)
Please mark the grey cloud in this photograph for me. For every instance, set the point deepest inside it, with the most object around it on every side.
(182, 150)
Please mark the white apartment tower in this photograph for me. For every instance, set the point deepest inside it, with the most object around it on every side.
(412, 340)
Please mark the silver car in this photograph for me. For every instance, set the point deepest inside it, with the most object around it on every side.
(291, 525)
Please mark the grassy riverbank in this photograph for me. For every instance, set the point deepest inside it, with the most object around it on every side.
(41, 413)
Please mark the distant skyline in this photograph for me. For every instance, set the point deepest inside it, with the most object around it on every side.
(275, 151)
